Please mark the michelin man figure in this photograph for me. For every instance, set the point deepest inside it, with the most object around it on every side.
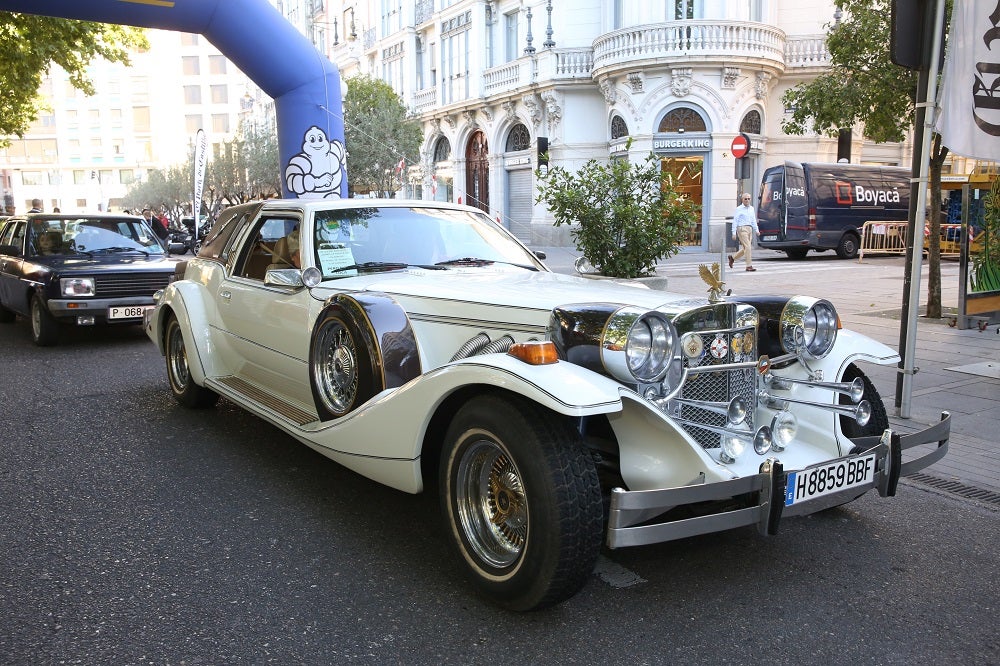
(317, 172)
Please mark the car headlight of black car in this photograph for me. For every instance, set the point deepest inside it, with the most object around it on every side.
(638, 345)
(76, 287)
(809, 326)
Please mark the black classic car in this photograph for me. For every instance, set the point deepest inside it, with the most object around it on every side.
(81, 269)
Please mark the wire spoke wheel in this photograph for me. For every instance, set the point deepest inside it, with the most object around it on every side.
(337, 368)
(491, 503)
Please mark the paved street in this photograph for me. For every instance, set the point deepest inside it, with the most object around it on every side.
(133, 531)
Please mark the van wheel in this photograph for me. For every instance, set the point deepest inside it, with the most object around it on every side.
(797, 253)
(848, 247)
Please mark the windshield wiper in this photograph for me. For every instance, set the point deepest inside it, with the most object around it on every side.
(372, 266)
(118, 248)
(474, 261)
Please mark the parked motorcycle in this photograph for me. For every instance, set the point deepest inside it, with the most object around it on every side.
(203, 229)
(180, 240)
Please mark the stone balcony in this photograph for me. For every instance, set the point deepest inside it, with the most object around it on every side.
(690, 43)
(624, 51)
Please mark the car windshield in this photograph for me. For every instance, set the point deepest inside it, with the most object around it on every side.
(348, 241)
(91, 236)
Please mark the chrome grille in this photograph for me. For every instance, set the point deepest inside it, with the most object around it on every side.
(735, 326)
(129, 284)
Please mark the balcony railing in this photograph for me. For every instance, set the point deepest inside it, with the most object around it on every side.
(425, 99)
(691, 41)
(806, 51)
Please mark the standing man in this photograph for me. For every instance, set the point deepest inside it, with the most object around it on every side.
(36, 206)
(745, 229)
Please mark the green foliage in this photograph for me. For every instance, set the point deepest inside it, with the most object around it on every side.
(862, 85)
(29, 44)
(379, 132)
(626, 216)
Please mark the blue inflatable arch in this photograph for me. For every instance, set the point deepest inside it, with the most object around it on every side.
(304, 84)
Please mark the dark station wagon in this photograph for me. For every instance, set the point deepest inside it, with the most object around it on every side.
(80, 269)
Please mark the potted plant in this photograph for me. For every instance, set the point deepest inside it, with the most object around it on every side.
(626, 216)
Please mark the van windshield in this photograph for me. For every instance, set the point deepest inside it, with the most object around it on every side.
(771, 211)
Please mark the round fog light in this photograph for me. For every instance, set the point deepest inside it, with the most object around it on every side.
(732, 447)
(784, 427)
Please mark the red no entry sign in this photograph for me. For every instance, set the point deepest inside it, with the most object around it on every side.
(741, 145)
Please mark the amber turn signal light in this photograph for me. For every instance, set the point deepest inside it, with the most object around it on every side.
(538, 352)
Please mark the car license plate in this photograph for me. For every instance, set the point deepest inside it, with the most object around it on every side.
(128, 311)
(829, 478)
(769, 237)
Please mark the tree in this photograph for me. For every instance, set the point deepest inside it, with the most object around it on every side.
(627, 215)
(379, 133)
(864, 86)
(29, 44)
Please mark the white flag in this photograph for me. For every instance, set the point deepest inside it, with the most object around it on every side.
(969, 122)
(200, 154)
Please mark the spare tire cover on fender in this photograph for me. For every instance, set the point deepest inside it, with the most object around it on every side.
(361, 344)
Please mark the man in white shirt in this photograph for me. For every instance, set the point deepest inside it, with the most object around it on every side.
(744, 229)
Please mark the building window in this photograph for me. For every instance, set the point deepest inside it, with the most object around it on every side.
(687, 9)
(442, 150)
(79, 176)
(193, 123)
(190, 65)
(220, 94)
(216, 64)
(192, 94)
(140, 118)
(220, 123)
(751, 123)
(518, 139)
(189, 39)
(455, 58)
(682, 119)
(618, 128)
(510, 36)
(116, 118)
(126, 176)
(31, 177)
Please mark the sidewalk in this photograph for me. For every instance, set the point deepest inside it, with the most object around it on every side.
(957, 371)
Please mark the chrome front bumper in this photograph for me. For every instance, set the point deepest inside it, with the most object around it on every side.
(632, 520)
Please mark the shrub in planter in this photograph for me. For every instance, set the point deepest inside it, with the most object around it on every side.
(626, 216)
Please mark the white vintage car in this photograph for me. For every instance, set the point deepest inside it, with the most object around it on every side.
(422, 345)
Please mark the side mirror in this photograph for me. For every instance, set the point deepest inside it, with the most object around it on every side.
(283, 277)
(540, 254)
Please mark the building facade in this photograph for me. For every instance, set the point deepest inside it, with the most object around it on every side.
(82, 153)
(497, 82)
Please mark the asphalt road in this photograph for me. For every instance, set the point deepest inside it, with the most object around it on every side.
(133, 531)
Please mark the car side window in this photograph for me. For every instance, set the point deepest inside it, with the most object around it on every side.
(6, 231)
(14, 235)
(261, 247)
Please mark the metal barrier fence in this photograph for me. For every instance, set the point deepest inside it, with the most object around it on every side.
(890, 238)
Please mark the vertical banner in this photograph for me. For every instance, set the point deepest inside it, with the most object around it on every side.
(200, 153)
(969, 122)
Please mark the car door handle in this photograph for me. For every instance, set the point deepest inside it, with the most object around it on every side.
(226, 294)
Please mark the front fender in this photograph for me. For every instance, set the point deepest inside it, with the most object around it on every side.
(186, 301)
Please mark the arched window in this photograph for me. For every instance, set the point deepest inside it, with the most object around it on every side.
(618, 127)
(682, 119)
(442, 150)
(751, 122)
(518, 139)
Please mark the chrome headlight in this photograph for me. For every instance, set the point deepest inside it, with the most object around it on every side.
(809, 325)
(638, 345)
(76, 287)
